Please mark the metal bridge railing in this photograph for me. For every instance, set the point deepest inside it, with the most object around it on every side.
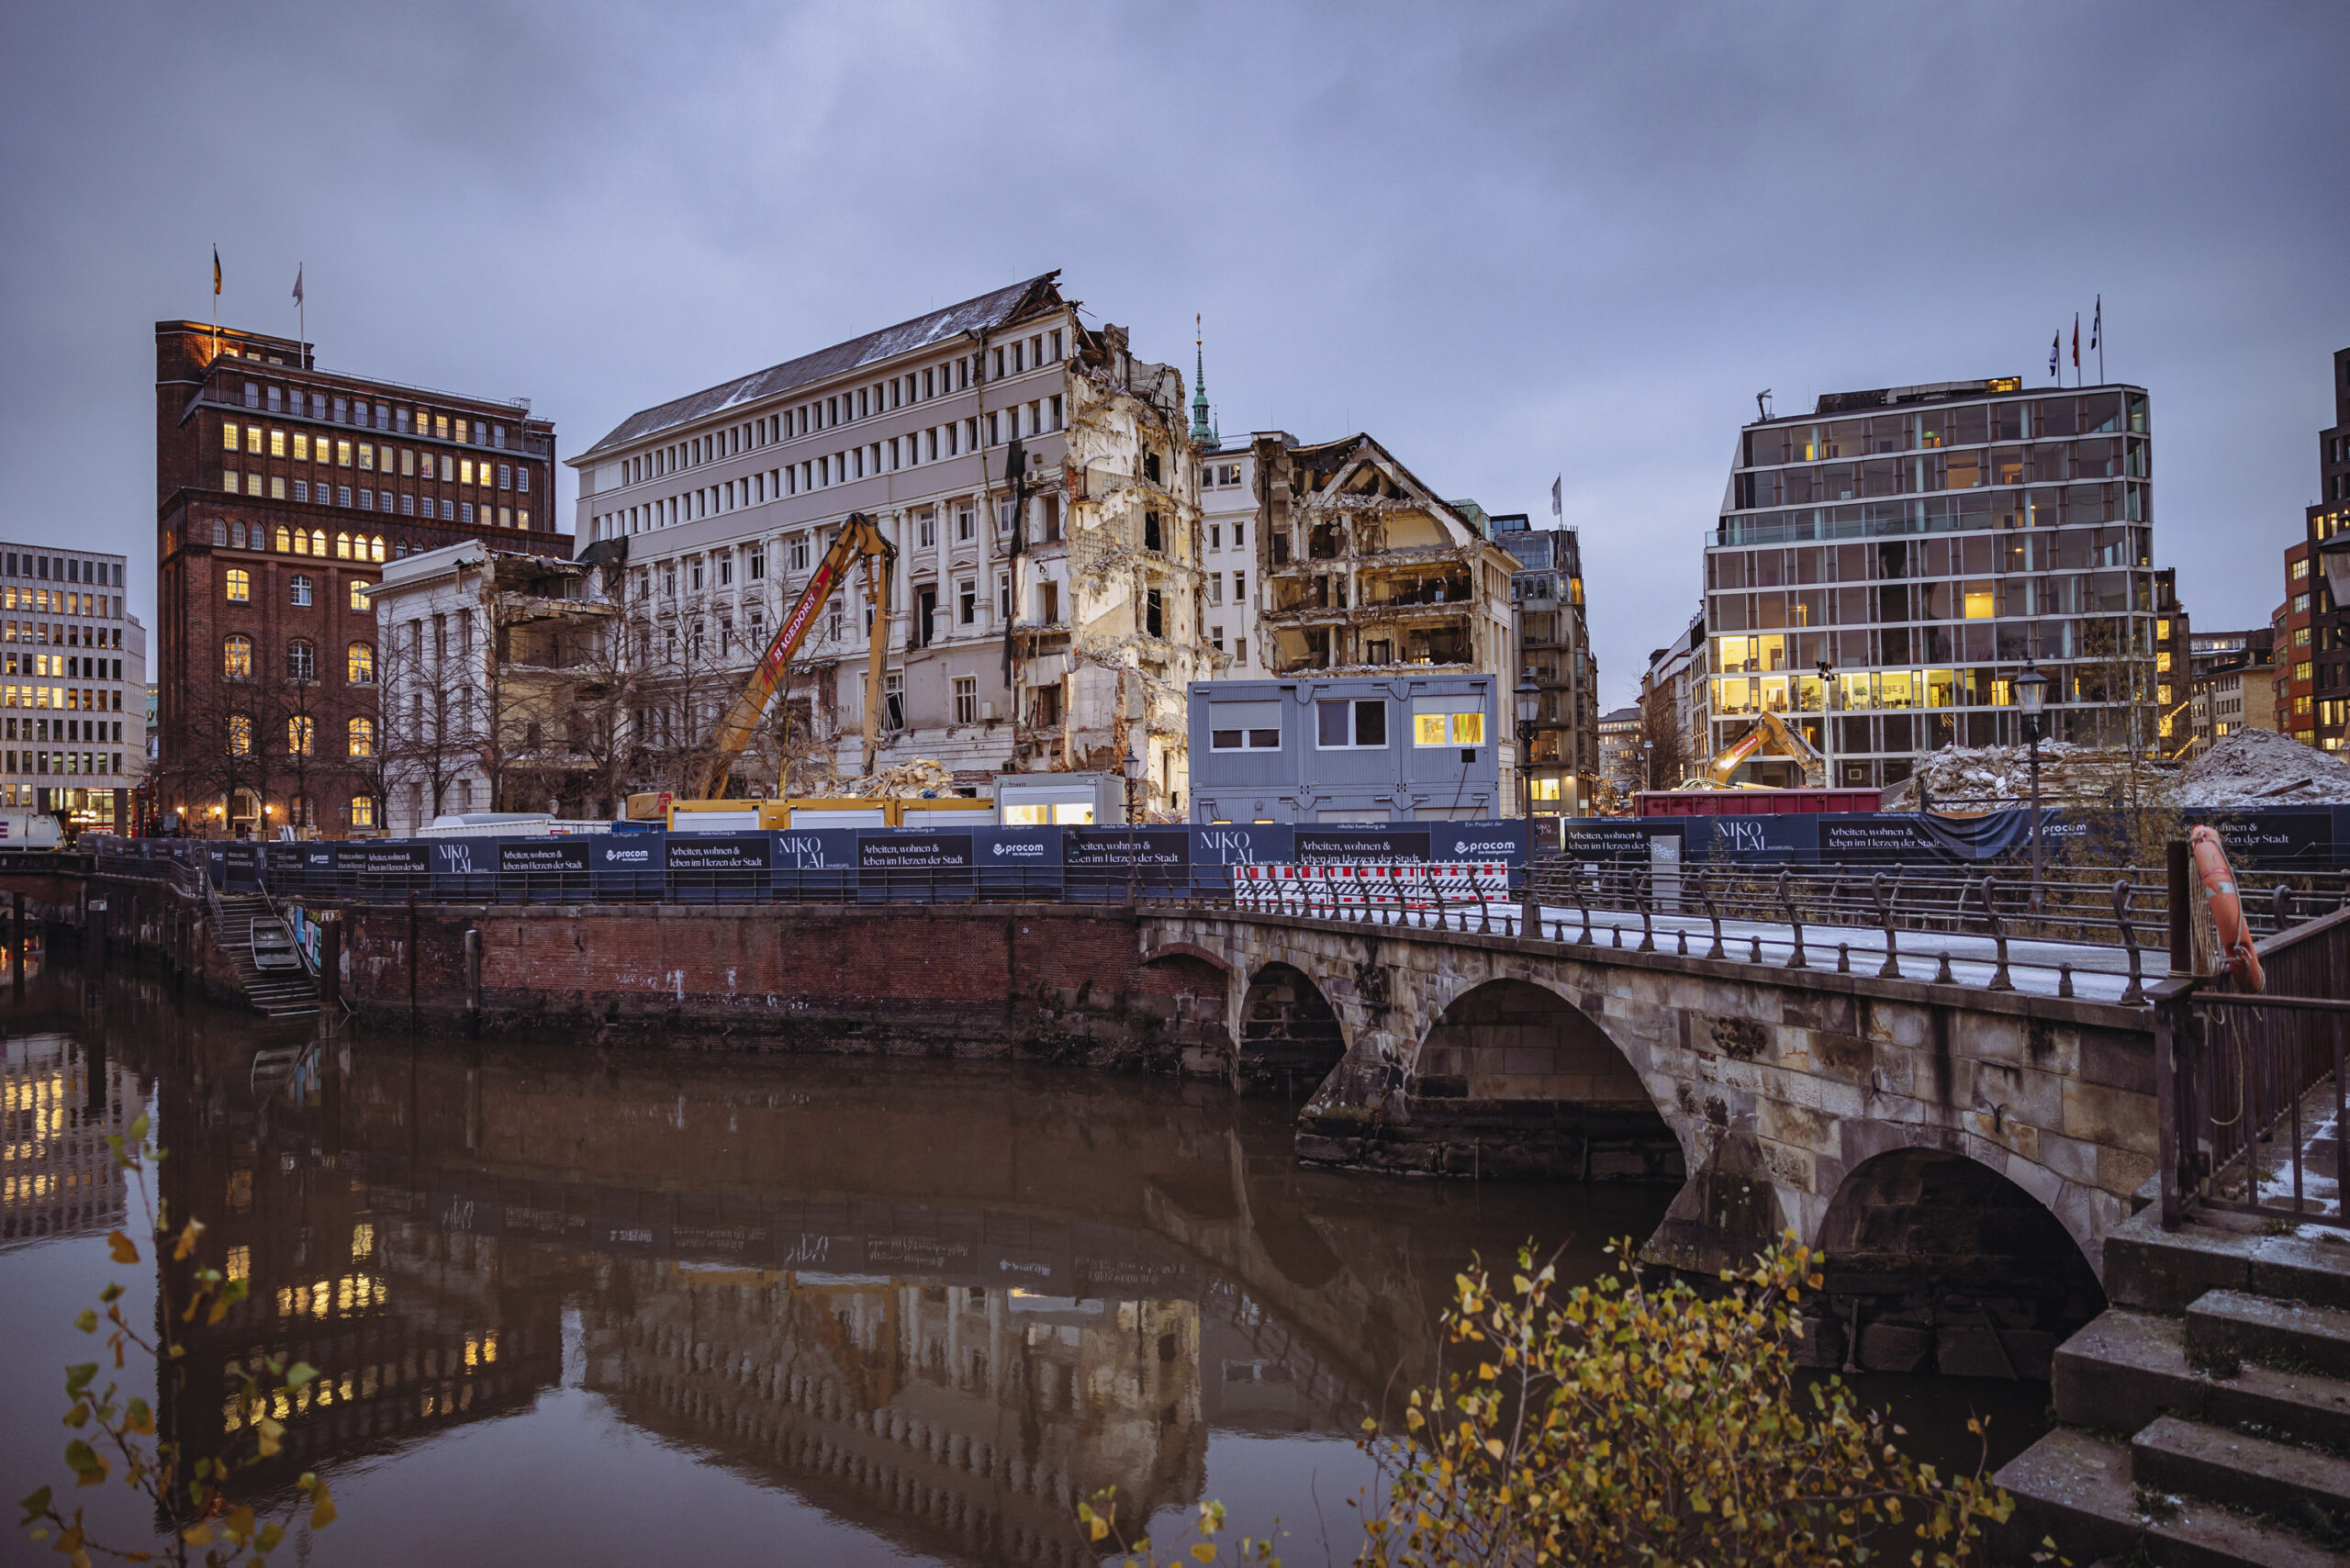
(2248, 1085)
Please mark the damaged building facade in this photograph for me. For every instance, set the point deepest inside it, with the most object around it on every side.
(1039, 485)
(501, 687)
(1361, 570)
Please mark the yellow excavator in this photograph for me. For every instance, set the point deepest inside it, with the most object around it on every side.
(860, 538)
(1784, 738)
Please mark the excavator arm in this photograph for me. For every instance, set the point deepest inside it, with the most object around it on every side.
(860, 538)
(1768, 727)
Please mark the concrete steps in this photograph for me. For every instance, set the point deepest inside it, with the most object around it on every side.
(2207, 1412)
(277, 993)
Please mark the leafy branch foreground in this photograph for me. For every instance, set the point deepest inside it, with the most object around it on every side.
(1620, 1423)
(120, 1429)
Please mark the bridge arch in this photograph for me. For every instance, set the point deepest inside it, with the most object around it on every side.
(1520, 1082)
(1291, 1037)
(1935, 1260)
(1189, 991)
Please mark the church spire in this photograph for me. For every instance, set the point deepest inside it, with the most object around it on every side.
(1202, 432)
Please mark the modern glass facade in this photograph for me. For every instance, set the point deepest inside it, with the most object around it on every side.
(1921, 543)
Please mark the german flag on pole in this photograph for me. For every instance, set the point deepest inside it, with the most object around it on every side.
(216, 269)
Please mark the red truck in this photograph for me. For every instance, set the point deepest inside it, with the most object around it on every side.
(1752, 802)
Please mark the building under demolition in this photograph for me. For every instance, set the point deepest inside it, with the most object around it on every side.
(1361, 570)
(1038, 486)
(504, 688)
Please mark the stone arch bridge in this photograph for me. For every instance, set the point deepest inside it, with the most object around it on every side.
(1960, 1154)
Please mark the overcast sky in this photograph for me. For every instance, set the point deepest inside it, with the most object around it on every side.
(1510, 241)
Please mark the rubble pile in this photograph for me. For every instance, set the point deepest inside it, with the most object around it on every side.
(2265, 767)
(1973, 778)
(901, 782)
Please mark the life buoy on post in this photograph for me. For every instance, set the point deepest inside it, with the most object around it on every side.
(2227, 909)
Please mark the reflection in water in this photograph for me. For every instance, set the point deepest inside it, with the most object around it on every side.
(940, 1303)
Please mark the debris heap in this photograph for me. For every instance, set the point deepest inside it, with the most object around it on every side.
(1974, 778)
(2265, 767)
(901, 782)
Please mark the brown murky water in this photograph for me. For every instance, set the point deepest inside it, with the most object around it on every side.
(586, 1307)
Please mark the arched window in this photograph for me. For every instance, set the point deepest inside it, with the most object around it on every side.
(301, 542)
(318, 541)
(298, 588)
(376, 547)
(284, 540)
(363, 668)
(363, 737)
(237, 656)
(342, 547)
(301, 733)
(301, 661)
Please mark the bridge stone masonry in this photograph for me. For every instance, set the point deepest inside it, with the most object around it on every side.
(1960, 1154)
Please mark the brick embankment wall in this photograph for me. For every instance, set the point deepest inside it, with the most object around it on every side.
(1053, 982)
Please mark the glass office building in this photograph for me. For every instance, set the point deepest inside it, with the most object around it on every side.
(1885, 565)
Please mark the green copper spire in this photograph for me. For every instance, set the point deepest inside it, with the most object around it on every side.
(1202, 432)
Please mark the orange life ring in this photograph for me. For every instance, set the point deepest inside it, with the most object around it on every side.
(2227, 908)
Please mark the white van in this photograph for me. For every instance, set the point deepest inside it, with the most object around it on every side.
(23, 828)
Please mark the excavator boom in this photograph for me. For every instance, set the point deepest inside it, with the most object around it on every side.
(860, 537)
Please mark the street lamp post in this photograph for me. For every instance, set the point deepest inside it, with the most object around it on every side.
(1530, 708)
(1648, 764)
(2031, 695)
(1827, 725)
(1131, 766)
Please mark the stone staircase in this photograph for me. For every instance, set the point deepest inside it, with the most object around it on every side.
(2206, 1415)
(277, 993)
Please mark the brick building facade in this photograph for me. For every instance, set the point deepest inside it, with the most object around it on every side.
(281, 489)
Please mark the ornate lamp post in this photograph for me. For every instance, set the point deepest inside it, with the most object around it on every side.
(1131, 766)
(2333, 560)
(1530, 708)
(1827, 725)
(2031, 694)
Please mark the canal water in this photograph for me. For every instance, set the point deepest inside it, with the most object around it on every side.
(580, 1306)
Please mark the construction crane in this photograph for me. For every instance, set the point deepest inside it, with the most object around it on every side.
(859, 538)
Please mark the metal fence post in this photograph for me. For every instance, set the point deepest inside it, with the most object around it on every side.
(2179, 895)
(2136, 993)
(1795, 920)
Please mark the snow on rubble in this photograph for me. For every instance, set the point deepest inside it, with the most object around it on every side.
(2263, 767)
(2251, 768)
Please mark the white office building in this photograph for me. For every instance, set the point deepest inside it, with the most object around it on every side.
(74, 676)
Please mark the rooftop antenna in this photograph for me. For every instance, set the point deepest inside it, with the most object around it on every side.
(1762, 404)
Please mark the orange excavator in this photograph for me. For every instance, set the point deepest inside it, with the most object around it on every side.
(860, 538)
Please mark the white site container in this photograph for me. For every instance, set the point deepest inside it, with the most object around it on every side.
(23, 828)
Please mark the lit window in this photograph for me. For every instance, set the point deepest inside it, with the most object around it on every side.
(240, 586)
(301, 734)
(318, 535)
(363, 666)
(253, 439)
(277, 444)
(359, 598)
(375, 548)
(240, 735)
(1449, 728)
(1980, 603)
(366, 456)
(285, 539)
(229, 480)
(363, 737)
(363, 814)
(343, 454)
(237, 656)
(342, 547)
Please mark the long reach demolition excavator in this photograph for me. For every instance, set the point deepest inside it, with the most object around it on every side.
(860, 538)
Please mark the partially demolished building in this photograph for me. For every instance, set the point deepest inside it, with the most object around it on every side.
(1039, 485)
(1362, 570)
(501, 687)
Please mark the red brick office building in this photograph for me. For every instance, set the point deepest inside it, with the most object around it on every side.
(281, 489)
